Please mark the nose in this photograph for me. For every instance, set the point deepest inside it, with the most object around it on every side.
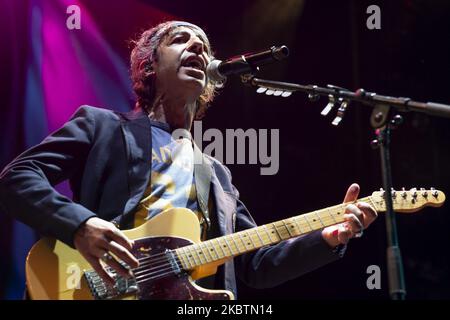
(196, 45)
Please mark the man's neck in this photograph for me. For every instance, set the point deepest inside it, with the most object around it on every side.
(177, 113)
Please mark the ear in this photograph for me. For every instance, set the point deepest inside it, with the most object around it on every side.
(142, 65)
(145, 66)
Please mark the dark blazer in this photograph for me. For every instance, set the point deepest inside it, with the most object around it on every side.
(107, 158)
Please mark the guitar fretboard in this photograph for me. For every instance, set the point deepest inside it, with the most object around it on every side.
(226, 247)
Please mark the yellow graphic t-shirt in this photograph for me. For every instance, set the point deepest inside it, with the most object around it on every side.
(172, 183)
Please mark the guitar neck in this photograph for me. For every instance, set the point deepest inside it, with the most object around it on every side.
(225, 247)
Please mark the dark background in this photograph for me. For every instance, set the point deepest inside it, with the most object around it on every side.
(329, 43)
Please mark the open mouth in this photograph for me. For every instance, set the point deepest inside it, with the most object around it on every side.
(194, 63)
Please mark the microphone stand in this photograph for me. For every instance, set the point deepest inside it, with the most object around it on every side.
(383, 123)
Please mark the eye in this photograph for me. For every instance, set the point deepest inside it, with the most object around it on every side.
(178, 39)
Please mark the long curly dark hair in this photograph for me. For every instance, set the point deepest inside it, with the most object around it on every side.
(145, 49)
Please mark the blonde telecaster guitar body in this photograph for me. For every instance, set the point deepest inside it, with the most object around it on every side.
(56, 271)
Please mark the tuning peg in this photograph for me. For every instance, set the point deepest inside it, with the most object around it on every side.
(404, 194)
(424, 192)
(270, 92)
(413, 194)
(434, 192)
(393, 193)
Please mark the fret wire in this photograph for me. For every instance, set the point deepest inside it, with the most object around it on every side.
(308, 223)
(183, 252)
(290, 234)
(313, 219)
(220, 246)
(276, 230)
(251, 240)
(296, 229)
(295, 221)
(268, 234)
(202, 245)
(331, 215)
(342, 209)
(190, 251)
(317, 214)
(235, 243)
(200, 259)
(371, 202)
(226, 245)
(229, 246)
(212, 249)
(180, 257)
(260, 239)
(242, 240)
(185, 257)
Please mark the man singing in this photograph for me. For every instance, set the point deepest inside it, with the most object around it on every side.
(127, 168)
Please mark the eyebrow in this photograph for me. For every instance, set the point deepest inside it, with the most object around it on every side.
(184, 32)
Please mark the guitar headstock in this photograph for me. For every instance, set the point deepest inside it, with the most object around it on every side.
(408, 201)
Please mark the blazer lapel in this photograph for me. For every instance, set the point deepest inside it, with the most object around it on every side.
(136, 130)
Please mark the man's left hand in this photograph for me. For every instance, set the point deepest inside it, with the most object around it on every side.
(357, 218)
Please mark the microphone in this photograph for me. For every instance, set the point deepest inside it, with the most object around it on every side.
(218, 70)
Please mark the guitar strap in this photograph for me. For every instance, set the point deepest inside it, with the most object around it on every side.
(202, 175)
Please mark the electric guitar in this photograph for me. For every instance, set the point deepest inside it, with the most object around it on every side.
(172, 256)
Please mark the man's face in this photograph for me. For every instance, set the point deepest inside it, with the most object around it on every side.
(181, 64)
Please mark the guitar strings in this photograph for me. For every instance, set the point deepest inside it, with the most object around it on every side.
(158, 265)
(162, 256)
(154, 274)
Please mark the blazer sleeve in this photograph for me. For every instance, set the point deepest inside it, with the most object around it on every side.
(27, 184)
(272, 265)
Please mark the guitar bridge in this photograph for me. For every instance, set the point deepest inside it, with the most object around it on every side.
(101, 291)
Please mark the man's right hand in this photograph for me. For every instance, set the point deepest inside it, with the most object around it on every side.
(96, 239)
